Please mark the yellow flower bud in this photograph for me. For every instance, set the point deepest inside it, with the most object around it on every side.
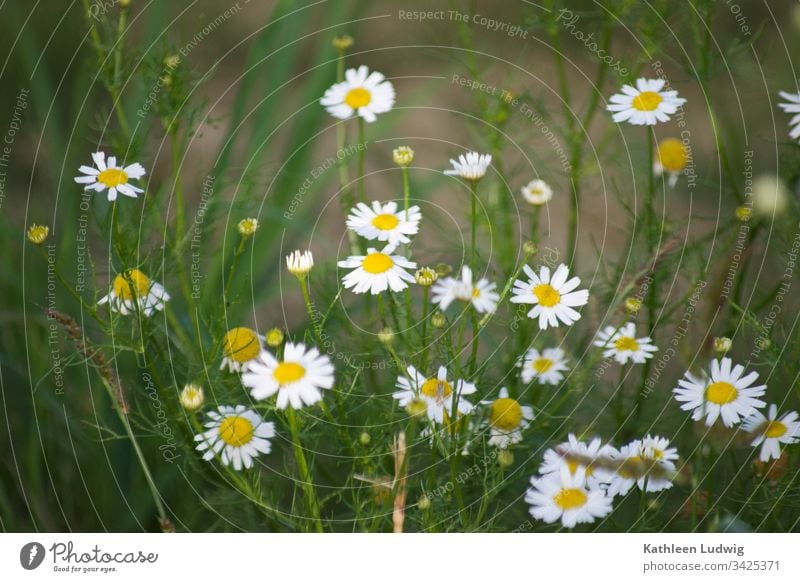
(403, 156)
(38, 233)
(274, 337)
(247, 226)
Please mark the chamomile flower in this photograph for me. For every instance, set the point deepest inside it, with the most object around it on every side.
(553, 298)
(436, 391)
(377, 271)
(645, 104)
(361, 93)
(725, 395)
(671, 159)
(576, 455)
(623, 345)
(107, 175)
(507, 419)
(384, 222)
(546, 367)
(133, 289)
(793, 106)
(240, 347)
(537, 193)
(297, 378)
(470, 166)
(482, 294)
(567, 497)
(770, 431)
(648, 463)
(237, 435)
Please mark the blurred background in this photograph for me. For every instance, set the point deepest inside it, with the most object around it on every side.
(240, 111)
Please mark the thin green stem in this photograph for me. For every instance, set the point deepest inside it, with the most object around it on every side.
(305, 475)
(304, 285)
(473, 188)
(406, 189)
(362, 150)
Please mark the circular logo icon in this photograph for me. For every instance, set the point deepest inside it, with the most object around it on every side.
(31, 555)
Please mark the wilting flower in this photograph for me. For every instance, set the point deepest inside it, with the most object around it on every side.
(645, 104)
(726, 394)
(377, 271)
(363, 93)
(546, 367)
(507, 419)
(770, 431)
(471, 166)
(133, 289)
(383, 222)
(553, 298)
(567, 497)
(671, 158)
(623, 345)
(107, 175)
(237, 434)
(297, 378)
(482, 294)
(436, 391)
(537, 193)
(240, 347)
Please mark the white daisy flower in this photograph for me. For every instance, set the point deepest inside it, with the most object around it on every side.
(240, 347)
(570, 454)
(567, 497)
(470, 166)
(377, 271)
(237, 434)
(437, 392)
(482, 294)
(648, 463)
(645, 104)
(297, 378)
(362, 93)
(133, 288)
(553, 298)
(793, 106)
(770, 431)
(623, 345)
(546, 367)
(108, 175)
(384, 222)
(726, 394)
(537, 192)
(507, 419)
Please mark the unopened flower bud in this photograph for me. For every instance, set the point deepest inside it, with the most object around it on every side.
(342, 42)
(386, 336)
(274, 337)
(38, 233)
(438, 320)
(529, 247)
(424, 502)
(247, 226)
(403, 156)
(633, 305)
(192, 397)
(722, 345)
(744, 213)
(505, 458)
(426, 276)
(443, 269)
(364, 438)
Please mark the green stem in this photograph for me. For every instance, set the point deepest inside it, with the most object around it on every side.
(424, 328)
(305, 474)
(304, 285)
(406, 189)
(362, 147)
(473, 187)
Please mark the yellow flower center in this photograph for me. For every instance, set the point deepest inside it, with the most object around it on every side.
(547, 296)
(541, 365)
(476, 292)
(647, 101)
(626, 344)
(385, 222)
(288, 372)
(236, 431)
(570, 499)
(130, 284)
(774, 429)
(241, 344)
(377, 263)
(358, 97)
(435, 388)
(506, 414)
(112, 177)
(631, 468)
(672, 155)
(721, 393)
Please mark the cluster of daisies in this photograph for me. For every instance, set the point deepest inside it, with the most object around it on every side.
(577, 482)
(728, 394)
